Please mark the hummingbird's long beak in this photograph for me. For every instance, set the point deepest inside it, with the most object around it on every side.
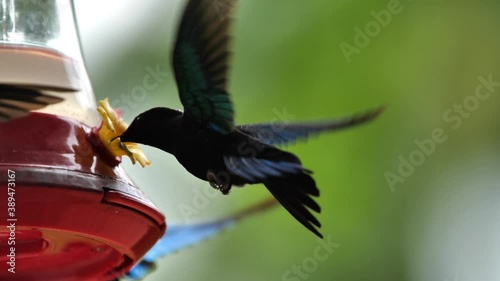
(123, 137)
(117, 137)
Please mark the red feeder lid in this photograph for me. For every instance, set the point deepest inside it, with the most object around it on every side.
(74, 214)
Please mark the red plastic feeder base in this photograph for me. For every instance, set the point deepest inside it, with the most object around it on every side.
(70, 213)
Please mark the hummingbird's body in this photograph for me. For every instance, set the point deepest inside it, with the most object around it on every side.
(203, 152)
(204, 138)
(194, 147)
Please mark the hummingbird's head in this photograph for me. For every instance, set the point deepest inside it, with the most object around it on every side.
(151, 126)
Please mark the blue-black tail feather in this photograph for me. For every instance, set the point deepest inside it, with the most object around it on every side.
(289, 190)
(281, 172)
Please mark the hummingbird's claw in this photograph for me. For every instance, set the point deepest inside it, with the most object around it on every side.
(217, 183)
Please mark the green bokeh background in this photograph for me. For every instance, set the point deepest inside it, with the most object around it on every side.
(440, 224)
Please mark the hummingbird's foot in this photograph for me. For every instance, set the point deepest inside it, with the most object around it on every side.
(217, 183)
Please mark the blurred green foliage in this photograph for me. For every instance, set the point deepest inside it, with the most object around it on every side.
(287, 57)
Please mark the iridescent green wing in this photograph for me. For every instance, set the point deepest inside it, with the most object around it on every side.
(200, 62)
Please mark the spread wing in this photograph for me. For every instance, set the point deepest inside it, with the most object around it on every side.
(200, 62)
(18, 100)
(281, 134)
(179, 237)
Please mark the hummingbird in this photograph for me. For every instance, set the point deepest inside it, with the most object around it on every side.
(204, 138)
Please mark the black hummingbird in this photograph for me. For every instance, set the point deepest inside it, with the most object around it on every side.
(204, 138)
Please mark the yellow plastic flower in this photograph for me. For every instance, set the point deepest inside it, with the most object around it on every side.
(113, 126)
